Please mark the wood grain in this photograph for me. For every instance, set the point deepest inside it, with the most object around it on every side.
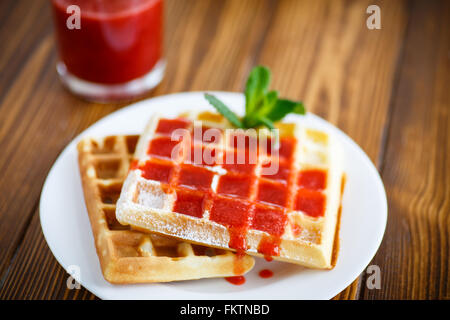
(37, 118)
(414, 256)
(42, 118)
(319, 51)
(30, 279)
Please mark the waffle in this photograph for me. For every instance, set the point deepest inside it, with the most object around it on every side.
(290, 214)
(131, 256)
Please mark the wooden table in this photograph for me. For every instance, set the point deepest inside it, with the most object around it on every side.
(388, 89)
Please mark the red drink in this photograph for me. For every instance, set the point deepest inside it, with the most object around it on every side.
(116, 53)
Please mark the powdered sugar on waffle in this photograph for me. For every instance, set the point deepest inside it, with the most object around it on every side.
(144, 204)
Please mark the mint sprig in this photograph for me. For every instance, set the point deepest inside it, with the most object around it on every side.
(224, 110)
(262, 107)
(256, 88)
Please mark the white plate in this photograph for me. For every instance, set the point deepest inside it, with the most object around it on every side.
(68, 233)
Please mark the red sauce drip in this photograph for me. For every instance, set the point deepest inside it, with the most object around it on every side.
(266, 273)
(237, 280)
(235, 215)
(269, 246)
(268, 258)
(237, 239)
(238, 242)
(238, 268)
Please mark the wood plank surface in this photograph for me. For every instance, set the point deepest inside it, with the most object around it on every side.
(414, 257)
(319, 51)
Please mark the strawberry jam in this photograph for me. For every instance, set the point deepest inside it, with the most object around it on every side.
(269, 246)
(156, 171)
(167, 126)
(311, 202)
(236, 185)
(237, 280)
(269, 219)
(230, 212)
(275, 193)
(189, 203)
(266, 273)
(313, 179)
(195, 177)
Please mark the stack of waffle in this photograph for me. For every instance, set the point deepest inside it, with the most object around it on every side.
(130, 256)
(194, 198)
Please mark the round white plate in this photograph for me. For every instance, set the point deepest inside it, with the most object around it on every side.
(66, 227)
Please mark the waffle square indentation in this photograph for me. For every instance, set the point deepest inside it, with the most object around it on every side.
(110, 193)
(313, 179)
(233, 213)
(287, 146)
(167, 126)
(197, 177)
(281, 170)
(236, 185)
(311, 202)
(240, 161)
(272, 192)
(189, 202)
(158, 171)
(107, 169)
(164, 147)
(269, 219)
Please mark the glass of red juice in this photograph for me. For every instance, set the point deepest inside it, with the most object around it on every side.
(109, 50)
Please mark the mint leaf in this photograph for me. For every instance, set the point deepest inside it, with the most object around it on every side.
(252, 119)
(283, 107)
(262, 107)
(224, 110)
(269, 103)
(300, 108)
(256, 88)
(267, 122)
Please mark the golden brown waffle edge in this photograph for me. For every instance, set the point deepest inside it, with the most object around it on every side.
(128, 256)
